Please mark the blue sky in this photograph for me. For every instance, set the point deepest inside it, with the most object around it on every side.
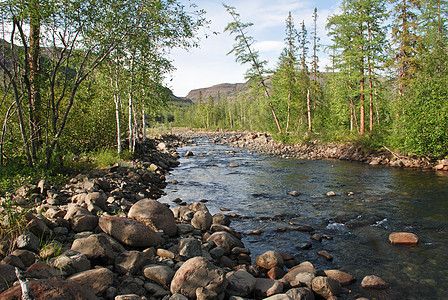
(209, 65)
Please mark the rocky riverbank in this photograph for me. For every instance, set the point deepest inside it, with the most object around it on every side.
(104, 235)
(264, 143)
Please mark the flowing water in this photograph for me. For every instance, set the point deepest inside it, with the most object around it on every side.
(370, 203)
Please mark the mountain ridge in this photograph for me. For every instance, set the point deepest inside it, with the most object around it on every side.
(215, 91)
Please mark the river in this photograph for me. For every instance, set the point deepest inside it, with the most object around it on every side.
(370, 203)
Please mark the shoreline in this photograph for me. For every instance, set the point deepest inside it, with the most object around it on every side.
(264, 143)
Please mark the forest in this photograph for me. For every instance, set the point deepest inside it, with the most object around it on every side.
(386, 86)
(79, 76)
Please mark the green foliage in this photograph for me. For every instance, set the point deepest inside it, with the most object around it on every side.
(12, 219)
(426, 118)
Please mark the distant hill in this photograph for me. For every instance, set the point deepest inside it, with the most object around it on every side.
(216, 91)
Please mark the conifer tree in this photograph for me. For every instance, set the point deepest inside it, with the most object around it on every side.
(244, 54)
(405, 41)
(286, 76)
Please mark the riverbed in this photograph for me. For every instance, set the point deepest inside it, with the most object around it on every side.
(370, 202)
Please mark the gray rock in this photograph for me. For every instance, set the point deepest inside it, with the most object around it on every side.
(198, 273)
(97, 280)
(279, 297)
(41, 270)
(155, 215)
(265, 287)
(13, 261)
(374, 282)
(269, 260)
(71, 262)
(84, 222)
(198, 206)
(178, 297)
(180, 211)
(28, 241)
(301, 294)
(302, 279)
(217, 228)
(130, 262)
(39, 227)
(225, 240)
(189, 248)
(27, 257)
(183, 229)
(131, 285)
(7, 276)
(96, 198)
(217, 252)
(96, 247)
(129, 231)
(202, 220)
(221, 219)
(326, 287)
(128, 297)
(160, 274)
(156, 290)
(241, 283)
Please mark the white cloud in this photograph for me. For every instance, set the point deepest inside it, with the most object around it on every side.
(269, 46)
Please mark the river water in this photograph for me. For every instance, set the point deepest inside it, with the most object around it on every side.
(370, 203)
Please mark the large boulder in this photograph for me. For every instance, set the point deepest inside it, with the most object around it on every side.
(27, 257)
(42, 270)
(326, 286)
(225, 240)
(241, 283)
(265, 287)
(190, 248)
(221, 219)
(28, 241)
(269, 260)
(130, 262)
(7, 276)
(197, 273)
(301, 293)
(155, 215)
(290, 277)
(343, 278)
(158, 273)
(202, 220)
(71, 262)
(51, 289)
(96, 247)
(198, 206)
(97, 280)
(129, 232)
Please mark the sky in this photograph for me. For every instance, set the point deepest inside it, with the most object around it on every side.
(209, 64)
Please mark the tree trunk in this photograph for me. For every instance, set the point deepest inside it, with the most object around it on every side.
(130, 127)
(144, 123)
(308, 104)
(117, 107)
(289, 112)
(34, 85)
